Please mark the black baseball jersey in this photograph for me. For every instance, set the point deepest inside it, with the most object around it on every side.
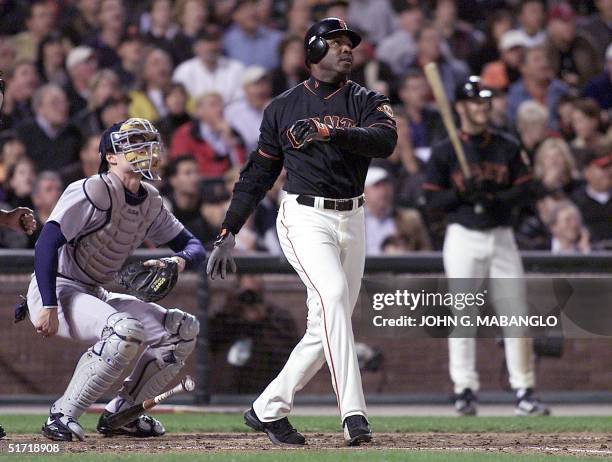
(496, 164)
(363, 128)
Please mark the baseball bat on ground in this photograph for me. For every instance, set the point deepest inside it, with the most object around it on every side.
(435, 82)
(130, 414)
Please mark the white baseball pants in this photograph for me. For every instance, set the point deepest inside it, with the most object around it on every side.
(491, 254)
(327, 249)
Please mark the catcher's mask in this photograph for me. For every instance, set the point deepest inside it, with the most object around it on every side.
(136, 139)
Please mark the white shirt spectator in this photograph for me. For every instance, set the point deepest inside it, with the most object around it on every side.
(225, 79)
(376, 231)
(246, 120)
(531, 41)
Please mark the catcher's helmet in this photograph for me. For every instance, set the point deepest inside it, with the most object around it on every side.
(471, 89)
(315, 45)
(138, 140)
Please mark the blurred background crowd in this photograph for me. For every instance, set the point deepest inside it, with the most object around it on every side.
(204, 71)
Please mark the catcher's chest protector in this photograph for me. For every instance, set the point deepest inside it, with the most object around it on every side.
(104, 251)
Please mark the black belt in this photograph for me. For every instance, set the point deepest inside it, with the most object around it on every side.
(341, 205)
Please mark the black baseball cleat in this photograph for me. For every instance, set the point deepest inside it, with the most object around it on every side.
(465, 402)
(279, 431)
(528, 405)
(144, 426)
(60, 427)
(2, 432)
(356, 430)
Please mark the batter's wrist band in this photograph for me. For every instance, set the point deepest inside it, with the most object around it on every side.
(50, 307)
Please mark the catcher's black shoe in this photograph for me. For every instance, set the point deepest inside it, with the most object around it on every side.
(356, 430)
(279, 431)
(2, 432)
(465, 402)
(528, 405)
(144, 426)
(60, 427)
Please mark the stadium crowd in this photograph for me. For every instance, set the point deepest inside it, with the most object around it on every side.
(204, 71)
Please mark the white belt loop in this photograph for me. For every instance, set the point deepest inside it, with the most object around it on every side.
(318, 203)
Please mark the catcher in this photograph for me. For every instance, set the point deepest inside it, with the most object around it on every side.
(97, 223)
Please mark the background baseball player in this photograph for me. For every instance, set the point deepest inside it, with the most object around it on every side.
(324, 132)
(98, 222)
(479, 242)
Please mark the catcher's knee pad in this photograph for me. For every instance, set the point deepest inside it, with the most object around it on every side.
(102, 364)
(184, 325)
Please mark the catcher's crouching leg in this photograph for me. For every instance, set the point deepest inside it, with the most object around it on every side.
(156, 368)
(99, 367)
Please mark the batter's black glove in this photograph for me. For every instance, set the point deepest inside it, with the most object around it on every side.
(221, 255)
(149, 281)
(307, 130)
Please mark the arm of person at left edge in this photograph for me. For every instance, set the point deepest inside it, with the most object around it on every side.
(377, 134)
(187, 248)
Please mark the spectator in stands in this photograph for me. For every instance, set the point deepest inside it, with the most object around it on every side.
(565, 111)
(250, 42)
(191, 16)
(502, 73)
(460, 36)
(395, 245)
(598, 26)
(18, 185)
(291, 70)
(532, 231)
(254, 338)
(411, 228)
(531, 16)
(429, 50)
(130, 53)
(567, 231)
(39, 23)
(586, 123)
(375, 17)
(399, 49)
(51, 142)
(81, 65)
(555, 169)
(103, 84)
(50, 60)
(298, 18)
(46, 191)
(112, 20)
(11, 150)
(222, 11)
(379, 221)
(600, 87)
(537, 82)
(210, 138)
(573, 57)
(159, 29)
(594, 199)
(214, 202)
(184, 195)
(8, 54)
(531, 126)
(175, 100)
(89, 162)
(80, 19)
(209, 71)
(499, 111)
(246, 114)
(22, 82)
(114, 109)
(148, 101)
(370, 72)
(498, 23)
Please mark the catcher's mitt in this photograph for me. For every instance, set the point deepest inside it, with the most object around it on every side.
(149, 283)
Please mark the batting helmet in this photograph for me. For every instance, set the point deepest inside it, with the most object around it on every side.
(471, 89)
(315, 45)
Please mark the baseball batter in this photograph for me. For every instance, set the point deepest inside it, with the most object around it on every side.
(97, 223)
(479, 242)
(324, 132)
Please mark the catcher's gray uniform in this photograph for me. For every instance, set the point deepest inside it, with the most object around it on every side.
(101, 230)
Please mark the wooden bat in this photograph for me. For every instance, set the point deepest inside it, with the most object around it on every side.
(130, 414)
(435, 82)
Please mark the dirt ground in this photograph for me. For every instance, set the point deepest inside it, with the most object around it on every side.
(591, 444)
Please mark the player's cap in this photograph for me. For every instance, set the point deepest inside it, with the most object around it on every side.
(562, 11)
(79, 55)
(471, 89)
(253, 74)
(512, 39)
(326, 28)
(106, 145)
(376, 175)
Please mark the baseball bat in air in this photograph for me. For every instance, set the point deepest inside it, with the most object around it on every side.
(435, 82)
(130, 414)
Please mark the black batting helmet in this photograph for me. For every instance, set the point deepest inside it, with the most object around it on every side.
(315, 46)
(471, 89)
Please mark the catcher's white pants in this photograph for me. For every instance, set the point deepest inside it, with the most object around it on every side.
(327, 249)
(492, 254)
